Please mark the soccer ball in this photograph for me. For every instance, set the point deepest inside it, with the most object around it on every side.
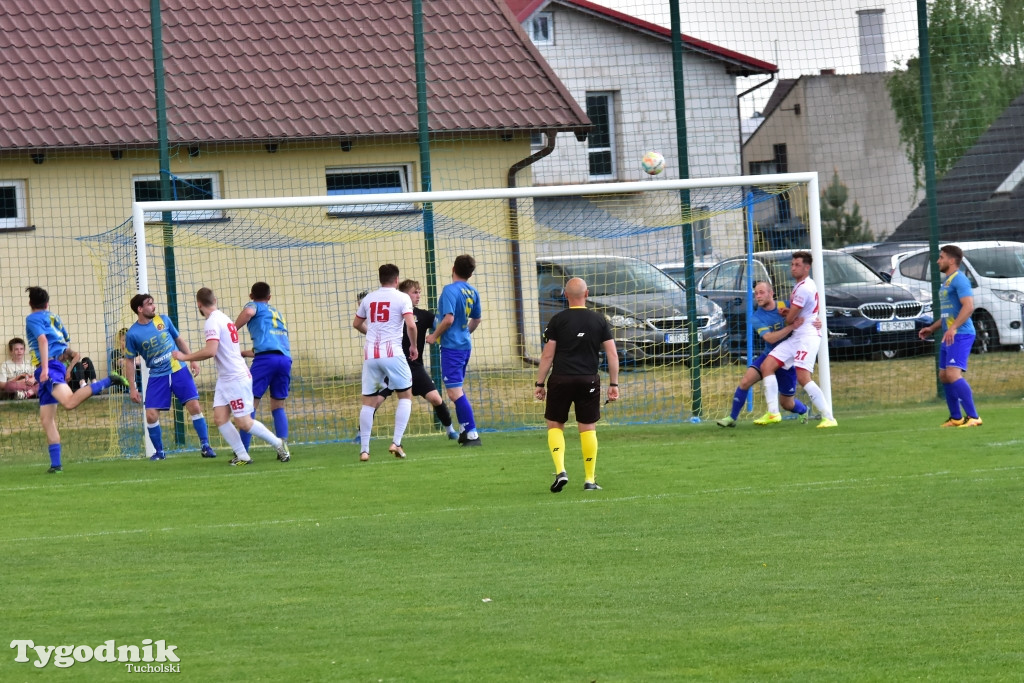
(652, 163)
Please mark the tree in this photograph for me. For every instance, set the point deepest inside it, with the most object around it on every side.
(839, 228)
(976, 49)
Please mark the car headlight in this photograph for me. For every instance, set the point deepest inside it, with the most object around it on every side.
(926, 308)
(620, 321)
(1011, 295)
(833, 311)
(717, 317)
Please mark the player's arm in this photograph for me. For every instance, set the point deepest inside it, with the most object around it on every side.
(611, 354)
(180, 342)
(44, 358)
(208, 351)
(441, 328)
(473, 324)
(547, 356)
(360, 324)
(410, 329)
(129, 373)
(244, 317)
(793, 314)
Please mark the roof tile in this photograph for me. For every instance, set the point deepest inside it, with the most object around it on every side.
(238, 69)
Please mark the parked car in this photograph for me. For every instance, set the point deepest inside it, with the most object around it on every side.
(882, 257)
(646, 308)
(677, 270)
(996, 272)
(866, 315)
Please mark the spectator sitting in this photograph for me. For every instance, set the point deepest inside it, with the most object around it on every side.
(82, 372)
(115, 361)
(17, 378)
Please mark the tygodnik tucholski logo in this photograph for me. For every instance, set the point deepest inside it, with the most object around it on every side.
(152, 656)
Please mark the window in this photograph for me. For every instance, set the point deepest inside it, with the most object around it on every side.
(542, 29)
(184, 187)
(601, 140)
(537, 139)
(368, 180)
(916, 267)
(13, 213)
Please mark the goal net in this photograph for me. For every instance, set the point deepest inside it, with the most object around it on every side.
(320, 253)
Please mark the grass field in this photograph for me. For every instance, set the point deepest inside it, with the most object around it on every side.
(885, 550)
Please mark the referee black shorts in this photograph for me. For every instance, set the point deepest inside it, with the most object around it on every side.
(421, 382)
(581, 391)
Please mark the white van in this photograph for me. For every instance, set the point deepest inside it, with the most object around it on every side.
(996, 272)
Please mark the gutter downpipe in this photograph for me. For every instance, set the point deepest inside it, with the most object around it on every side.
(513, 231)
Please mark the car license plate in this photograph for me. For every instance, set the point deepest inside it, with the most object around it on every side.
(679, 337)
(896, 325)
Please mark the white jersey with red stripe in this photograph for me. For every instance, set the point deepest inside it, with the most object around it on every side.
(805, 295)
(384, 311)
(230, 364)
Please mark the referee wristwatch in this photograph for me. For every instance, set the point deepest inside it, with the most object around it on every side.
(539, 384)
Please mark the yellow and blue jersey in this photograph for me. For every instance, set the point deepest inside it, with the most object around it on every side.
(45, 323)
(154, 342)
(268, 329)
(771, 320)
(463, 301)
(953, 288)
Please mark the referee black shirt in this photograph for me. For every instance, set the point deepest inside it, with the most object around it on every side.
(578, 334)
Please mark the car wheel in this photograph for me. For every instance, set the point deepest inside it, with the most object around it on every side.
(986, 335)
(885, 354)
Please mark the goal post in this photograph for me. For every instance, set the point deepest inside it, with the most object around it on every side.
(319, 252)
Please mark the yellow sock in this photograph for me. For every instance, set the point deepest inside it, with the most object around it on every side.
(556, 443)
(588, 440)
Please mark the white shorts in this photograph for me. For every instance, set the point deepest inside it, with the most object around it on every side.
(237, 394)
(386, 373)
(797, 351)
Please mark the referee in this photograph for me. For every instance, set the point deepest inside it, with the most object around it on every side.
(572, 342)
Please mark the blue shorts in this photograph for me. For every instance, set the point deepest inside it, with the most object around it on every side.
(272, 370)
(159, 389)
(453, 366)
(955, 355)
(785, 378)
(58, 375)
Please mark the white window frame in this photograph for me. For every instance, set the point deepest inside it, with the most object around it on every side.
(21, 206)
(404, 174)
(185, 216)
(536, 28)
(610, 97)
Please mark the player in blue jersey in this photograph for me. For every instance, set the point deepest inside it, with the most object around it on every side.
(153, 337)
(769, 323)
(48, 340)
(272, 356)
(956, 299)
(459, 313)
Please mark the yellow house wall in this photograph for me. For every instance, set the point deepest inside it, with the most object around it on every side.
(75, 194)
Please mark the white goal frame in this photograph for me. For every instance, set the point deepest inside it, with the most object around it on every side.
(809, 179)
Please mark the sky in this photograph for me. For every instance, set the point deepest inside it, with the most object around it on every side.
(799, 36)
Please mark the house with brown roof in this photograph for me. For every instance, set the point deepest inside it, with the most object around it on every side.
(278, 98)
(619, 69)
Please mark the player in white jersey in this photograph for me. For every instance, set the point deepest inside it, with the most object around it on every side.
(384, 316)
(233, 395)
(800, 349)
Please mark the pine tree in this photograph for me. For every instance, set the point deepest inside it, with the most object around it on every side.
(839, 228)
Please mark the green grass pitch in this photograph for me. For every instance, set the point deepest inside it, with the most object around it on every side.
(887, 549)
